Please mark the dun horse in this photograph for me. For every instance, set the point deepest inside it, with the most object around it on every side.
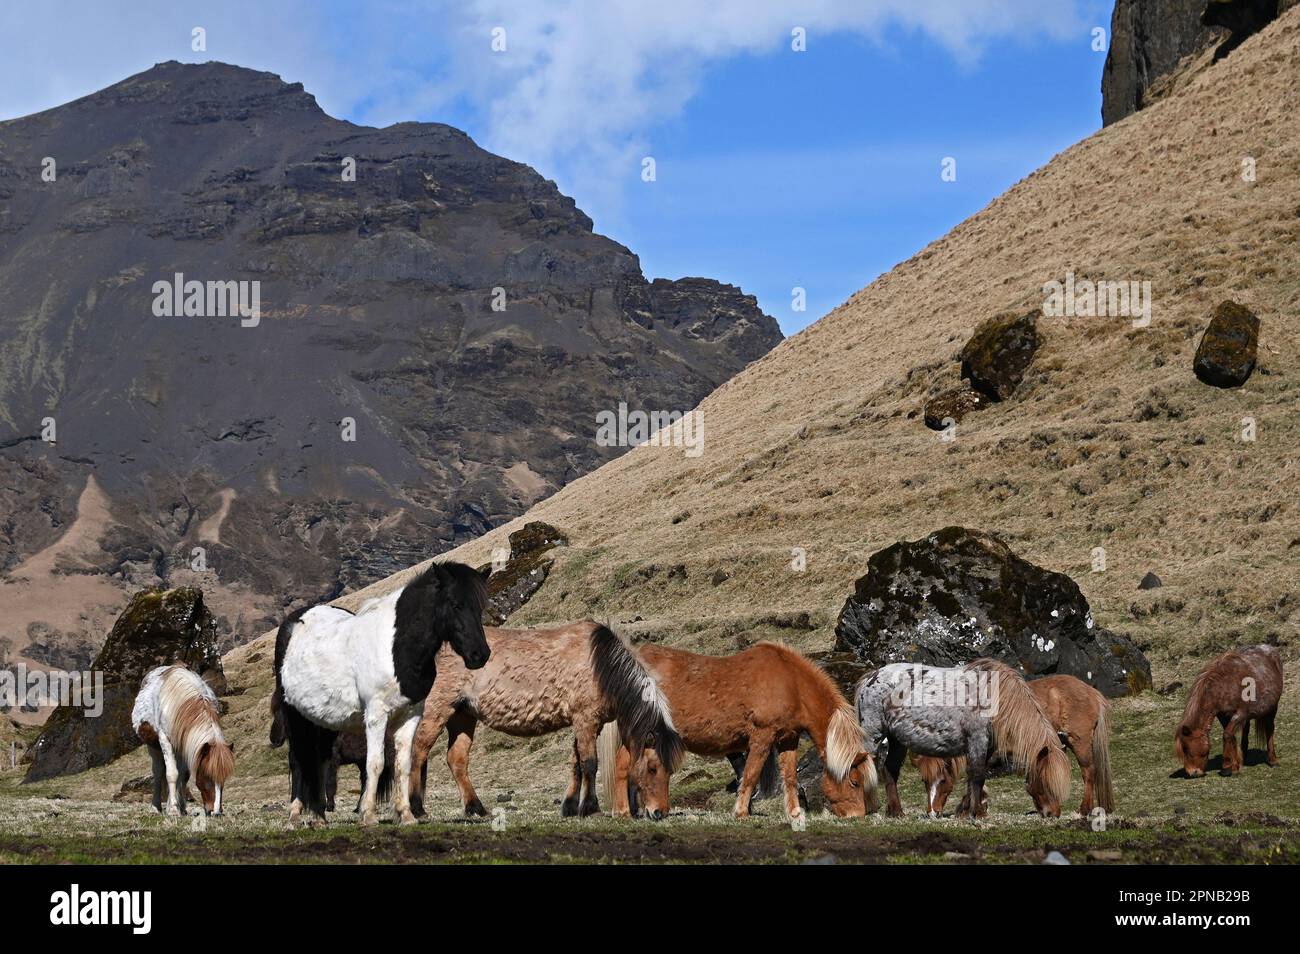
(973, 711)
(336, 671)
(1081, 717)
(758, 701)
(175, 716)
(540, 681)
(1240, 685)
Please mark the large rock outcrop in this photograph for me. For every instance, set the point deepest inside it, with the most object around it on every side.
(1154, 43)
(960, 594)
(525, 570)
(435, 339)
(158, 627)
(1226, 354)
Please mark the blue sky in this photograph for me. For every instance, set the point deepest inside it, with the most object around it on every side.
(774, 168)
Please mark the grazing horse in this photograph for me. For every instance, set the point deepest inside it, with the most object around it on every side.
(1081, 717)
(538, 681)
(1240, 685)
(336, 671)
(758, 701)
(978, 710)
(176, 717)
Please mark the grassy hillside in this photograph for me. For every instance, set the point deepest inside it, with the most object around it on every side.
(1109, 442)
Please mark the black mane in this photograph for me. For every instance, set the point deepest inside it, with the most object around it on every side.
(425, 608)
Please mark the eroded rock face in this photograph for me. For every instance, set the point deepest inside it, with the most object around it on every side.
(158, 627)
(513, 585)
(997, 355)
(959, 594)
(1226, 355)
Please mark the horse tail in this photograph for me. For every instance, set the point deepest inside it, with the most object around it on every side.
(845, 738)
(277, 718)
(1022, 731)
(1101, 779)
(769, 780)
(631, 690)
(607, 745)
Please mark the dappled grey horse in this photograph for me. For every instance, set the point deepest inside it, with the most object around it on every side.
(972, 711)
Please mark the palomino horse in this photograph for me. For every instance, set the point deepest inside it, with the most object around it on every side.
(539, 681)
(757, 701)
(336, 671)
(175, 716)
(975, 711)
(1240, 685)
(1081, 717)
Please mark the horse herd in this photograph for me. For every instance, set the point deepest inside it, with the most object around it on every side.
(379, 687)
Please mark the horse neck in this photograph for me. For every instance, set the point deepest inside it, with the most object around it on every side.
(817, 704)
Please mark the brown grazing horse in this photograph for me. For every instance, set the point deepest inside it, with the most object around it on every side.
(538, 681)
(757, 701)
(1240, 685)
(1081, 717)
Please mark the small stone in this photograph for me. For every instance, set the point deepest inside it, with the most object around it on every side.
(951, 405)
(1226, 355)
(1105, 854)
(719, 577)
(1150, 582)
(1056, 858)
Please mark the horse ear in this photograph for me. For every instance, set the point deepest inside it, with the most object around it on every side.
(485, 571)
(859, 759)
(650, 740)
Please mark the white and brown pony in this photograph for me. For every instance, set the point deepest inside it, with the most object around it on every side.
(176, 717)
(538, 681)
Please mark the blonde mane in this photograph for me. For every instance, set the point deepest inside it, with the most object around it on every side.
(1022, 730)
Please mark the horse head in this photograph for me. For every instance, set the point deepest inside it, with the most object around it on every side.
(649, 776)
(848, 796)
(216, 763)
(1192, 747)
(456, 601)
(1043, 787)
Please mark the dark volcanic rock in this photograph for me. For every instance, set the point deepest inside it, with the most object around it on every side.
(1153, 42)
(999, 352)
(1226, 355)
(525, 571)
(1150, 582)
(158, 627)
(959, 594)
(450, 302)
(953, 404)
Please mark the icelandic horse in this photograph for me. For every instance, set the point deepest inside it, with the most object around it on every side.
(176, 716)
(539, 681)
(759, 701)
(1240, 685)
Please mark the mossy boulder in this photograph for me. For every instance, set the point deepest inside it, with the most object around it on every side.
(997, 355)
(158, 627)
(951, 405)
(514, 584)
(1225, 357)
(959, 594)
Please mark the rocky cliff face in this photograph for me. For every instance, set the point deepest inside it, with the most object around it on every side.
(1155, 43)
(435, 339)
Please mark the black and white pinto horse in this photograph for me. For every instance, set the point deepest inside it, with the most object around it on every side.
(336, 670)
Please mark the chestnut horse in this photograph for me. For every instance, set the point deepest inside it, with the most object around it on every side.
(539, 681)
(1240, 685)
(1081, 717)
(757, 701)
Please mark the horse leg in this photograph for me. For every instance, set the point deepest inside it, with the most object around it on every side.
(182, 785)
(159, 770)
(173, 775)
(332, 781)
(425, 736)
(585, 735)
(622, 806)
(893, 766)
(569, 807)
(788, 759)
(376, 728)
(460, 737)
(1266, 725)
(1231, 757)
(403, 739)
(977, 755)
(1245, 740)
(759, 747)
(1082, 749)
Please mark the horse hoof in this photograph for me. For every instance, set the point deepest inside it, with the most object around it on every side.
(475, 809)
(369, 820)
(568, 809)
(406, 819)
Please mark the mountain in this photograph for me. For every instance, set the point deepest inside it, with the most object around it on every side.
(1109, 443)
(448, 309)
